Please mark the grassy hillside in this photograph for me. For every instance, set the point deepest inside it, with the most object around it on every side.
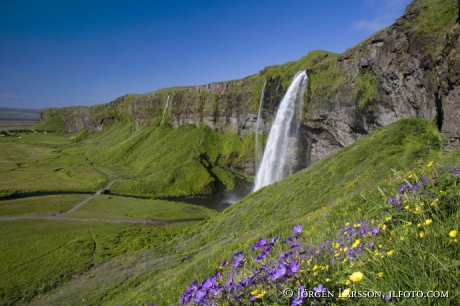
(161, 161)
(153, 161)
(348, 186)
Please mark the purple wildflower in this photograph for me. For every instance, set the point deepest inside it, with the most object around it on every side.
(299, 301)
(279, 273)
(295, 245)
(290, 239)
(200, 296)
(263, 254)
(229, 284)
(238, 260)
(298, 229)
(209, 283)
(387, 298)
(375, 231)
(285, 255)
(320, 288)
(294, 268)
(237, 254)
(259, 244)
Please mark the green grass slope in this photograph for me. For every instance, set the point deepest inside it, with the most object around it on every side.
(160, 161)
(155, 161)
(344, 187)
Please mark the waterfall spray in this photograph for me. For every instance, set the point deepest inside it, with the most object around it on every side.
(283, 133)
(164, 112)
(259, 149)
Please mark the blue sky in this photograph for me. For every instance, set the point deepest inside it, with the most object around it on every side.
(62, 53)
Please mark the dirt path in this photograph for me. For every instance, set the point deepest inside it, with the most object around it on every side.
(63, 217)
(92, 196)
(129, 221)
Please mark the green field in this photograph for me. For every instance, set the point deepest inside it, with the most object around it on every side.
(46, 163)
(39, 255)
(115, 207)
(142, 265)
(50, 204)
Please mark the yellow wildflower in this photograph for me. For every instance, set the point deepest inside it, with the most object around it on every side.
(384, 227)
(255, 292)
(345, 294)
(380, 274)
(356, 243)
(409, 223)
(315, 267)
(422, 234)
(348, 282)
(388, 219)
(261, 295)
(356, 277)
(402, 238)
(430, 164)
(428, 221)
(328, 280)
(453, 233)
(407, 207)
(391, 253)
(347, 224)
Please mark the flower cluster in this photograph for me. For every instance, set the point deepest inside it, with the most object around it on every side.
(236, 282)
(259, 276)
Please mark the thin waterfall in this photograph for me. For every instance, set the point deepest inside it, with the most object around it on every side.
(164, 111)
(259, 149)
(283, 134)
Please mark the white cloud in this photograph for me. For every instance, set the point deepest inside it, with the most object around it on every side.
(371, 26)
(385, 14)
(12, 96)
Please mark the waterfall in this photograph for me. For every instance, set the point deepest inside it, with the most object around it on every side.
(259, 149)
(283, 134)
(164, 112)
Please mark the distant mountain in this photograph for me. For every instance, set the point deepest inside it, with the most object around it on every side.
(7, 113)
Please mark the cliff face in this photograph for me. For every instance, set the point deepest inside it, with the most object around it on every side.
(409, 69)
